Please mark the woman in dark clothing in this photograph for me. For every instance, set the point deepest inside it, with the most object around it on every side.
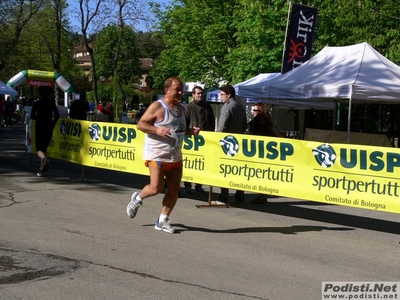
(261, 125)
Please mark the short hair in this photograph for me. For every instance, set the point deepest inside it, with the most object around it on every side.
(196, 88)
(170, 80)
(228, 89)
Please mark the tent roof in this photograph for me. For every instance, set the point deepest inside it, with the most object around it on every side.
(6, 90)
(356, 72)
(213, 95)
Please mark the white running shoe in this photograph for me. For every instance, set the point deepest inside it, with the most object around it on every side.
(133, 206)
(164, 226)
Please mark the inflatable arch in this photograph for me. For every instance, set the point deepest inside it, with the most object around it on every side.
(39, 78)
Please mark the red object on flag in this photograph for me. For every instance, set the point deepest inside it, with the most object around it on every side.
(300, 36)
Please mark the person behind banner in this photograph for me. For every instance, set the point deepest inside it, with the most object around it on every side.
(103, 111)
(262, 125)
(140, 112)
(164, 123)
(46, 115)
(79, 108)
(232, 120)
(200, 114)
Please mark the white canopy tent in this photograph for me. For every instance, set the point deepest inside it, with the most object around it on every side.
(6, 90)
(214, 96)
(353, 74)
(277, 105)
(242, 90)
(356, 72)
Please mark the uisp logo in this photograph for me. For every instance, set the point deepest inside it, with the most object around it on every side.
(229, 145)
(325, 155)
(95, 131)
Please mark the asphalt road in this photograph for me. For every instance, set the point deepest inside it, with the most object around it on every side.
(67, 236)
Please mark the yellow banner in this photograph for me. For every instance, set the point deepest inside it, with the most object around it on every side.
(40, 75)
(351, 175)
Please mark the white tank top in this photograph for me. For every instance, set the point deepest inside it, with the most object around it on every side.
(166, 149)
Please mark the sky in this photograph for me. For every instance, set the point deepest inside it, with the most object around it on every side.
(75, 23)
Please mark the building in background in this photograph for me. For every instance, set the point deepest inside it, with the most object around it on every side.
(83, 58)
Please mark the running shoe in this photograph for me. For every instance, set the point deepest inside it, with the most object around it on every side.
(164, 226)
(46, 164)
(134, 205)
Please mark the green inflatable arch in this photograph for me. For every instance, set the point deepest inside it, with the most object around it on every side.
(40, 78)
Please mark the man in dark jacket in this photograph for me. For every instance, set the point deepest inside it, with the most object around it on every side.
(232, 120)
(200, 114)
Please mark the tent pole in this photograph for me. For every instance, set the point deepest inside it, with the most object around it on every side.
(334, 116)
(348, 121)
(276, 119)
(286, 34)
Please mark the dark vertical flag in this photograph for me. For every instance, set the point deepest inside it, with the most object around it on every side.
(299, 36)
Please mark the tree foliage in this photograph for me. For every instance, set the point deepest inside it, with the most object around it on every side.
(15, 17)
(126, 68)
(234, 40)
(150, 44)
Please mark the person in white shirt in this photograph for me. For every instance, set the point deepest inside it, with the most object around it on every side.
(164, 123)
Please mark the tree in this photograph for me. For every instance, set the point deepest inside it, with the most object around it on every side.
(234, 40)
(54, 38)
(89, 11)
(260, 33)
(116, 56)
(229, 40)
(183, 36)
(150, 44)
(15, 15)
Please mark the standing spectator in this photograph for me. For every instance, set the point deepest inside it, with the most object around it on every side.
(103, 111)
(261, 125)
(26, 119)
(140, 112)
(91, 106)
(62, 110)
(26, 112)
(200, 114)
(42, 112)
(9, 110)
(165, 125)
(125, 105)
(79, 108)
(111, 109)
(2, 110)
(232, 120)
